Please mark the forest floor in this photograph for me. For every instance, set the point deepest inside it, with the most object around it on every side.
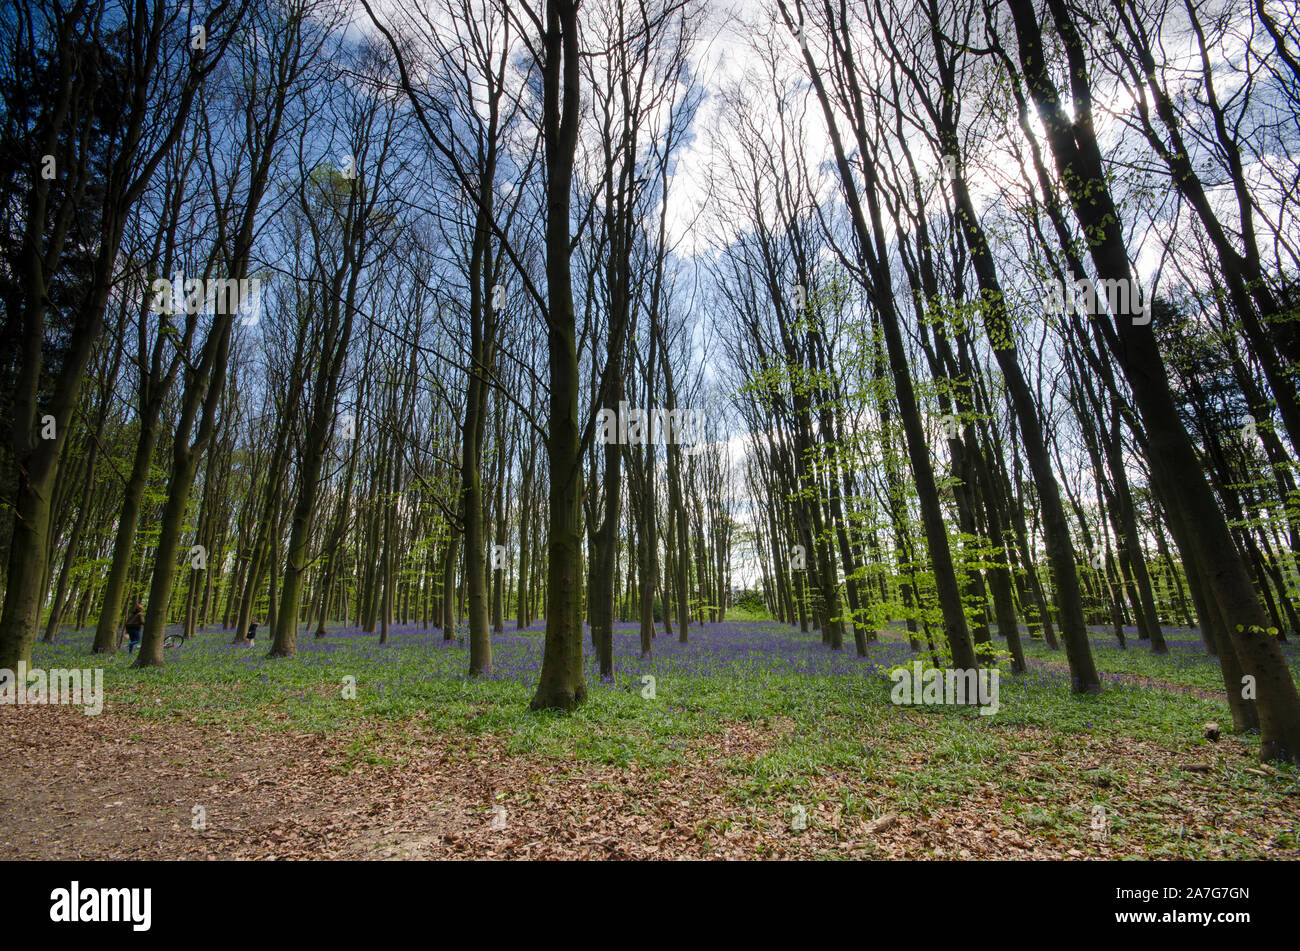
(755, 742)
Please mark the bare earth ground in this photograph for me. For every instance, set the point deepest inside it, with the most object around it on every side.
(113, 786)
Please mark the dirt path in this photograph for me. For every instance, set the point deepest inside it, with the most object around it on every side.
(116, 787)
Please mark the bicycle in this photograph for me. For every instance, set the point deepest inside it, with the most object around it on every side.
(173, 640)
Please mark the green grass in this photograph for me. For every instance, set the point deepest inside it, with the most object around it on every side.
(1186, 663)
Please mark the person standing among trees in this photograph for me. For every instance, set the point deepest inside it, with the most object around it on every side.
(134, 624)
